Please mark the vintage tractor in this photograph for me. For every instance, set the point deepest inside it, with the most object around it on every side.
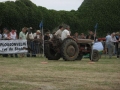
(69, 49)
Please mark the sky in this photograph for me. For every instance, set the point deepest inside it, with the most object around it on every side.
(57, 4)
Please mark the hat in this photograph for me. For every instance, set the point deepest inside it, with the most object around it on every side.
(38, 31)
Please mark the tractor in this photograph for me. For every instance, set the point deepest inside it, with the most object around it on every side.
(69, 49)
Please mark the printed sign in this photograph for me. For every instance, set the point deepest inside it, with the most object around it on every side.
(13, 46)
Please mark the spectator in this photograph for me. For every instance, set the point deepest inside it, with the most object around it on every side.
(116, 45)
(109, 45)
(8, 35)
(31, 43)
(114, 41)
(22, 33)
(38, 41)
(22, 36)
(37, 35)
(82, 36)
(59, 32)
(4, 36)
(29, 34)
(13, 36)
(8, 38)
(76, 36)
(90, 35)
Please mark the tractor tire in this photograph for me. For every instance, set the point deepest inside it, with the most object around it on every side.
(69, 50)
(50, 53)
(95, 56)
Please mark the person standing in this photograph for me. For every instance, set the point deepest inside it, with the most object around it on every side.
(13, 36)
(31, 42)
(116, 45)
(114, 41)
(22, 36)
(109, 45)
(22, 33)
(38, 42)
(82, 36)
(76, 36)
(90, 35)
(5, 37)
(37, 35)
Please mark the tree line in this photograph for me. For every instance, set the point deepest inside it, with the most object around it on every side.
(25, 13)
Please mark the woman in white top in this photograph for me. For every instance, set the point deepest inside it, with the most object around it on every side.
(13, 34)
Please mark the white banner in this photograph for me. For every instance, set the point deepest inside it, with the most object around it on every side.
(13, 46)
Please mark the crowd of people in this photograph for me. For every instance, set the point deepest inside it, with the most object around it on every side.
(112, 41)
(113, 44)
(34, 39)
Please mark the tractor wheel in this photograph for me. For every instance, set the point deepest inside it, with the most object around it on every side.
(50, 53)
(69, 50)
(95, 56)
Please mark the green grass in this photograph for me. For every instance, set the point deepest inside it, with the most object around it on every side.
(41, 74)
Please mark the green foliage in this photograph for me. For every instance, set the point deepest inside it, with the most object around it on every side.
(104, 12)
(25, 13)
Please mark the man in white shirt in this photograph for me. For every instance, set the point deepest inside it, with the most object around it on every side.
(59, 32)
(29, 34)
(31, 43)
(66, 33)
(109, 45)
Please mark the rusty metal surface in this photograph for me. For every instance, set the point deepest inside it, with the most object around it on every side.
(84, 41)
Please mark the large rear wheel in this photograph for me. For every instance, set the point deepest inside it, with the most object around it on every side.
(50, 52)
(69, 49)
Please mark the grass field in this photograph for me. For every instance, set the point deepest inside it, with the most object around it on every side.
(41, 74)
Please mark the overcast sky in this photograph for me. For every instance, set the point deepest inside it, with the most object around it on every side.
(57, 4)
